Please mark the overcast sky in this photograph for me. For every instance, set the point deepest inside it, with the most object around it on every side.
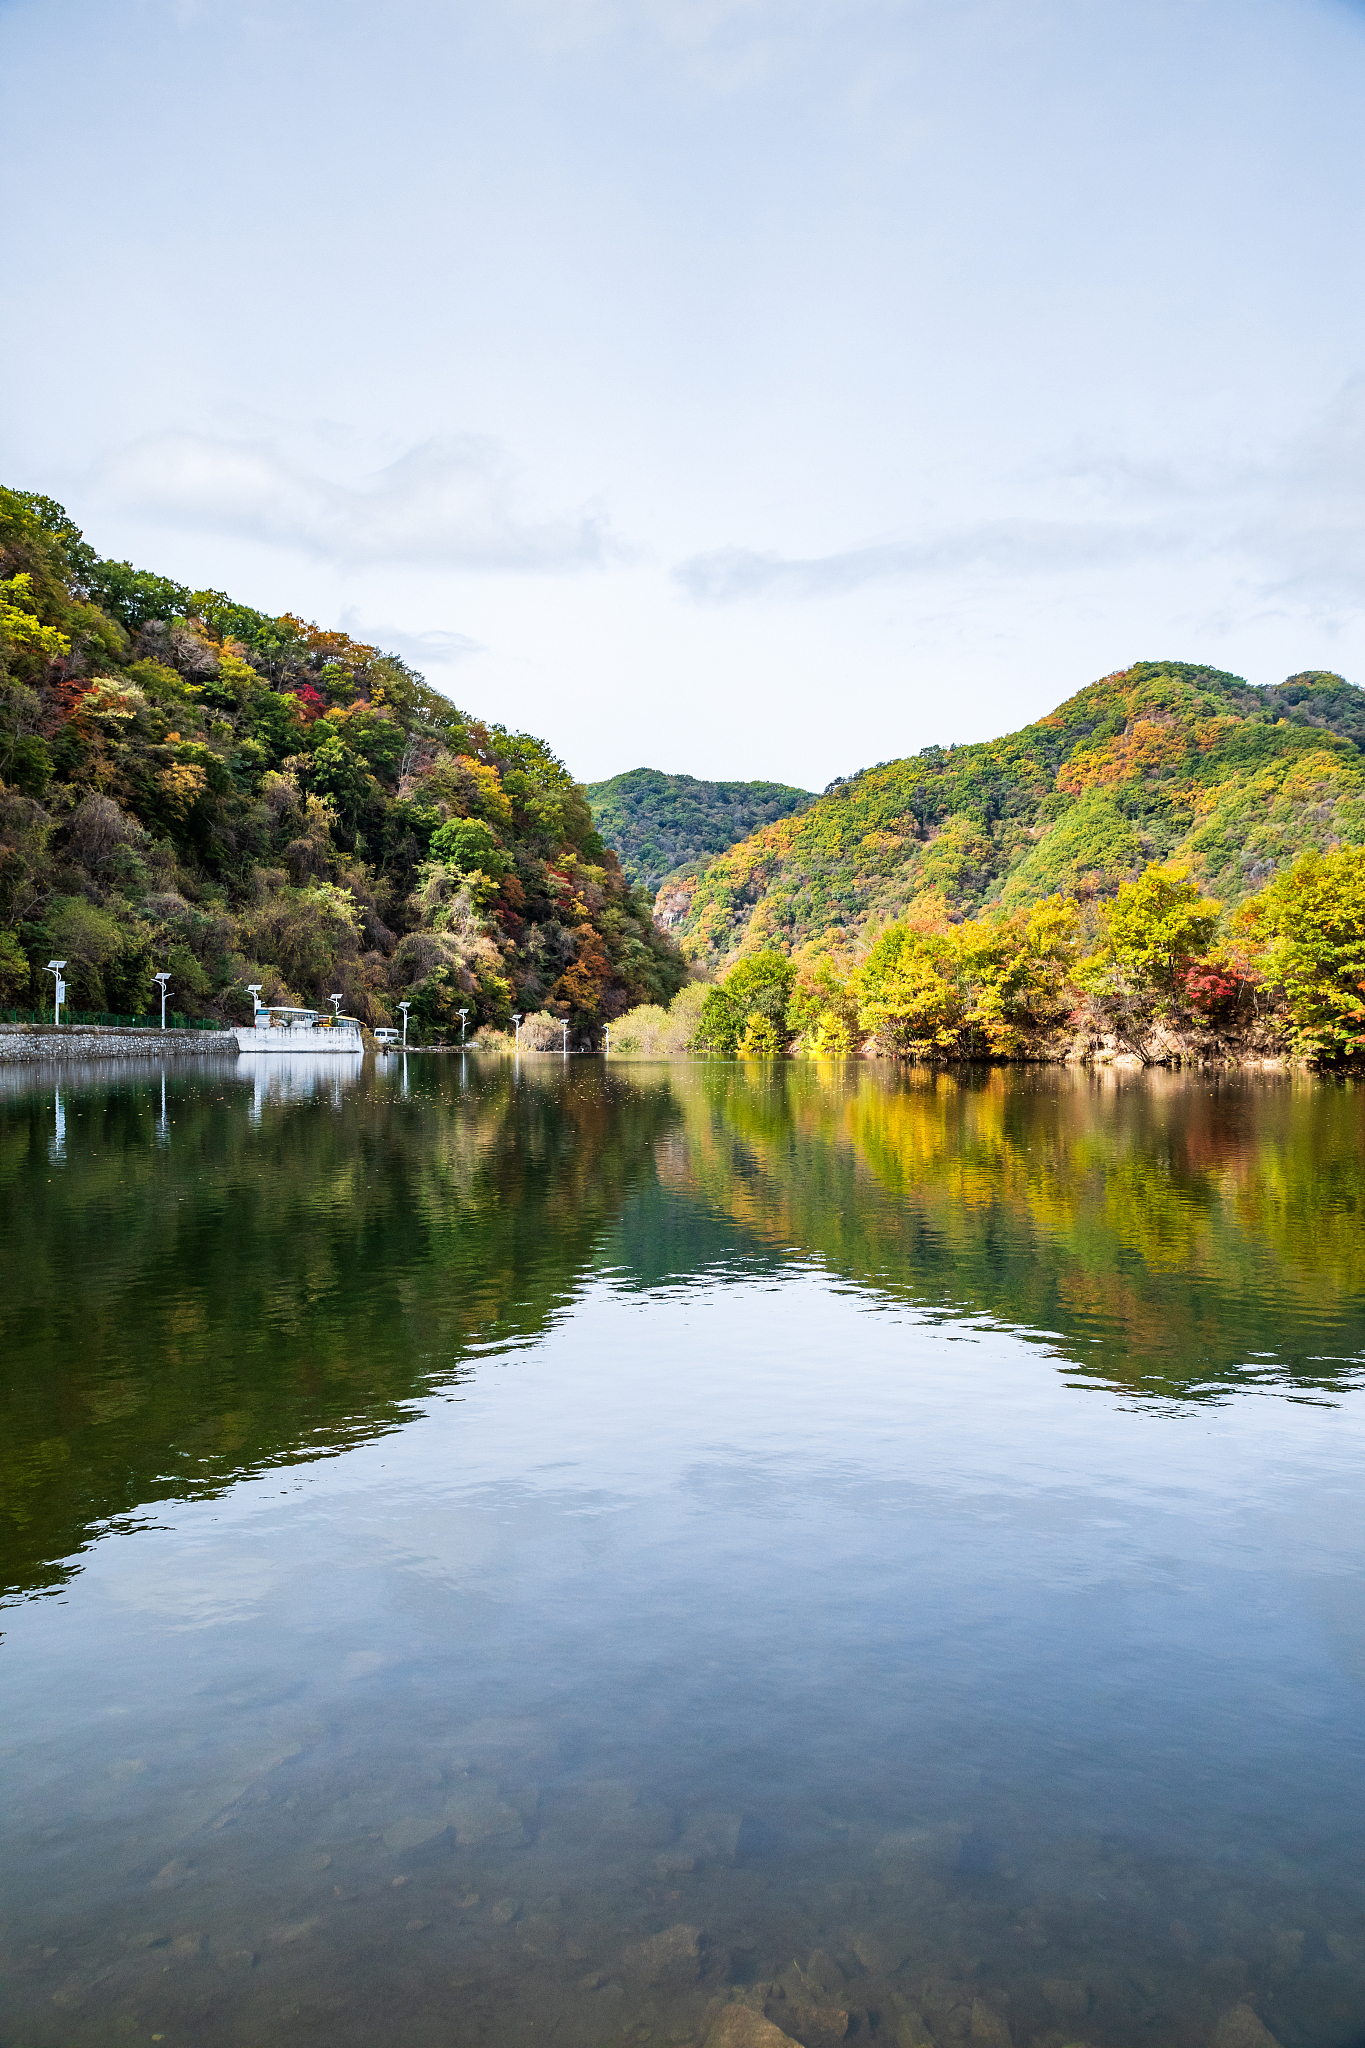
(741, 387)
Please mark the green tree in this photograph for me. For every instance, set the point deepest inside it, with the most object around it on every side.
(976, 990)
(760, 1040)
(1307, 933)
(759, 986)
(1153, 932)
(471, 845)
(1151, 936)
(14, 969)
(1157, 925)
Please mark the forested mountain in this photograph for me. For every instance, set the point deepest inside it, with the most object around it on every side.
(658, 823)
(186, 783)
(1163, 760)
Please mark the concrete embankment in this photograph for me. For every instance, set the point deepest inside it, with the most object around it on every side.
(110, 1042)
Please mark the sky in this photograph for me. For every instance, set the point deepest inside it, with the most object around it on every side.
(751, 388)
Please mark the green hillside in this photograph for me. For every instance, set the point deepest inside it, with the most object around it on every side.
(1163, 760)
(657, 823)
(187, 783)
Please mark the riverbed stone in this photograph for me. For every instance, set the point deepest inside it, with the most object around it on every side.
(739, 2026)
(881, 1958)
(988, 2027)
(414, 1831)
(1241, 2027)
(817, 2026)
(911, 2031)
(820, 1973)
(670, 1958)
(482, 1818)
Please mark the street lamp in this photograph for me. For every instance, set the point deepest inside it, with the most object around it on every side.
(516, 1019)
(336, 1002)
(405, 1007)
(54, 968)
(253, 989)
(566, 1037)
(462, 1014)
(162, 980)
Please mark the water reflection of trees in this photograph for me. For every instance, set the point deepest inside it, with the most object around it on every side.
(194, 1292)
(1170, 1233)
(182, 1303)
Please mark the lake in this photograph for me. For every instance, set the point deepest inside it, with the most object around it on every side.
(546, 1553)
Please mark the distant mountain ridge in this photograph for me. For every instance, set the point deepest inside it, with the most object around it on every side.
(1162, 760)
(656, 823)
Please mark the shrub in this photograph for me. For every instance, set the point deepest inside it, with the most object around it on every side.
(542, 1032)
(649, 1032)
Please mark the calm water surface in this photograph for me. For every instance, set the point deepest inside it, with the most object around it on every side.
(535, 1557)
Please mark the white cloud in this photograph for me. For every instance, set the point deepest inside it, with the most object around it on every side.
(1004, 547)
(1288, 518)
(452, 503)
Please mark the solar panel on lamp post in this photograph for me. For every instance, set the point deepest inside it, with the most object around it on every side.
(405, 1007)
(462, 1014)
(162, 980)
(54, 968)
(516, 1019)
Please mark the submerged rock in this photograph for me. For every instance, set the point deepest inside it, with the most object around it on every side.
(483, 1819)
(673, 1957)
(989, 2027)
(1240, 2027)
(820, 1974)
(739, 2026)
(875, 1955)
(817, 2026)
(911, 2032)
(413, 1832)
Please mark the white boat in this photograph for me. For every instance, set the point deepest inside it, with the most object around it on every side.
(282, 1028)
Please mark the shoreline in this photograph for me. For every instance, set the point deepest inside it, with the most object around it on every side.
(30, 1042)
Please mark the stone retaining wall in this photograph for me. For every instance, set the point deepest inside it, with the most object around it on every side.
(109, 1042)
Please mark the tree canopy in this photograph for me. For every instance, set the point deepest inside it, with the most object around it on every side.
(1160, 762)
(187, 782)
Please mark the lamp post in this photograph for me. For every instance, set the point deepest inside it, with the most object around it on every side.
(405, 1007)
(253, 989)
(54, 968)
(162, 979)
(565, 1028)
(336, 1001)
(516, 1019)
(462, 1014)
